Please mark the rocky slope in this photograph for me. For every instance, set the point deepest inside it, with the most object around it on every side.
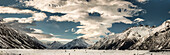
(140, 38)
(13, 39)
(80, 43)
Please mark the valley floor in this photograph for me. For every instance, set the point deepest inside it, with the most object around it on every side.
(78, 52)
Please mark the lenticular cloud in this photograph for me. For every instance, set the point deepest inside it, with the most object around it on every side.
(111, 11)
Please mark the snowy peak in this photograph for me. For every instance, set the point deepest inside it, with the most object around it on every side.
(80, 43)
(136, 32)
(167, 22)
(164, 26)
(139, 38)
(56, 45)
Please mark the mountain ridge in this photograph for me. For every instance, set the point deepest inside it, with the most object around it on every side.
(139, 38)
(13, 39)
(80, 43)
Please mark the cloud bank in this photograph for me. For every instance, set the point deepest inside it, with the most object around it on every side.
(111, 11)
(36, 16)
(36, 30)
(13, 10)
(47, 37)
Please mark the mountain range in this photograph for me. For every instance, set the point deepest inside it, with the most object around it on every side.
(134, 38)
(80, 43)
(138, 38)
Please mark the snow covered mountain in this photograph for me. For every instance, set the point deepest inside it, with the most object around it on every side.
(55, 45)
(80, 43)
(13, 39)
(140, 38)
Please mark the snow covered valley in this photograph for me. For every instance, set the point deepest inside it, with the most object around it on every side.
(78, 52)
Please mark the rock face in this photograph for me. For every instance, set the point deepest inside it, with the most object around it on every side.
(139, 38)
(13, 39)
(80, 43)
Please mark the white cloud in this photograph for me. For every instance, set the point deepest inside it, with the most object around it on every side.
(13, 10)
(138, 20)
(112, 11)
(92, 26)
(47, 37)
(54, 35)
(63, 5)
(142, 1)
(39, 35)
(36, 16)
(55, 39)
(20, 20)
(73, 30)
(66, 30)
(36, 30)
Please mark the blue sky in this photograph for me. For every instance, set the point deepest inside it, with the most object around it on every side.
(156, 14)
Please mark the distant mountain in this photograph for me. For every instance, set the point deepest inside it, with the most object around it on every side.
(139, 38)
(80, 43)
(13, 39)
(55, 45)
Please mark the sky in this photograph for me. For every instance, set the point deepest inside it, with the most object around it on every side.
(64, 20)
